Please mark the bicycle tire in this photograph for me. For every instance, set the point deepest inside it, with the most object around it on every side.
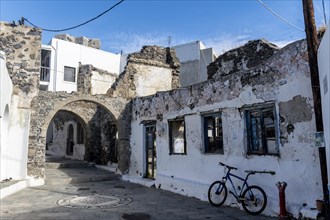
(255, 200)
(216, 197)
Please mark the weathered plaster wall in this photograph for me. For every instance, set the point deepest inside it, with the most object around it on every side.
(283, 80)
(152, 69)
(92, 80)
(47, 104)
(21, 45)
(324, 71)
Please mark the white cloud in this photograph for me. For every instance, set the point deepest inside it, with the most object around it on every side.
(133, 42)
(226, 42)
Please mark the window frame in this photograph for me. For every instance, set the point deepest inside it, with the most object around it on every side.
(64, 74)
(147, 125)
(171, 146)
(206, 143)
(261, 110)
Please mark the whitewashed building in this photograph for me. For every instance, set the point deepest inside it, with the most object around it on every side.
(194, 58)
(256, 114)
(61, 59)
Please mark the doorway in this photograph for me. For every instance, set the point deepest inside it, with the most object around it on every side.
(150, 149)
(70, 142)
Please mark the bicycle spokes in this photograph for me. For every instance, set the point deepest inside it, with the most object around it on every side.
(255, 200)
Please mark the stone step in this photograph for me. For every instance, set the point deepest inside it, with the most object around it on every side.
(68, 164)
(78, 175)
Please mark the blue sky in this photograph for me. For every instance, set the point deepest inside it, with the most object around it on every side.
(221, 24)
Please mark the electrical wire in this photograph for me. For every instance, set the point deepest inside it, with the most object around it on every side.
(76, 26)
(283, 19)
(325, 17)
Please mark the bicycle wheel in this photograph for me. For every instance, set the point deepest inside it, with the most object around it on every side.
(217, 193)
(255, 200)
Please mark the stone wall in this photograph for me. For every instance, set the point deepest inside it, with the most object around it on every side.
(94, 43)
(242, 58)
(152, 69)
(22, 46)
(47, 104)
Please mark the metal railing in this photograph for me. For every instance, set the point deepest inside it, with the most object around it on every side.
(44, 74)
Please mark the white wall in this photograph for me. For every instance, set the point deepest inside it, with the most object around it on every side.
(194, 59)
(14, 129)
(6, 88)
(207, 56)
(58, 146)
(189, 51)
(70, 54)
(324, 73)
(101, 82)
(151, 79)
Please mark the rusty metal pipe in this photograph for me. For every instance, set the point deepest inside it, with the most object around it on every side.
(281, 189)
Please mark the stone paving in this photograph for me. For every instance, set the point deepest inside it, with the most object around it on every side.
(112, 199)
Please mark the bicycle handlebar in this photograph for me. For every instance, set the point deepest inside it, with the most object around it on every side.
(229, 167)
(264, 171)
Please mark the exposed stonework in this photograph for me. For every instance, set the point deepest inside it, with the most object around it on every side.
(100, 141)
(94, 43)
(282, 84)
(47, 104)
(137, 66)
(91, 80)
(22, 46)
(264, 82)
(242, 58)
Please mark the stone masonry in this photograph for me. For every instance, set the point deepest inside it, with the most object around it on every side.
(47, 104)
(93, 43)
(22, 46)
(242, 58)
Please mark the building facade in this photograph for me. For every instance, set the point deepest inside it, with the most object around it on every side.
(255, 112)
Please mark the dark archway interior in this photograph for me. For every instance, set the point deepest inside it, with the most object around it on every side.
(83, 131)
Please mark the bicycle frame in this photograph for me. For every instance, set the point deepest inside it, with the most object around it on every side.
(245, 184)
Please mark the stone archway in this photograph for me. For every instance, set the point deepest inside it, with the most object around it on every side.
(47, 104)
(56, 140)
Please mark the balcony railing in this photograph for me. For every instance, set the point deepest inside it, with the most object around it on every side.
(44, 74)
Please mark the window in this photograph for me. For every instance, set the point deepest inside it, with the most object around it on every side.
(69, 74)
(213, 136)
(80, 133)
(261, 130)
(177, 136)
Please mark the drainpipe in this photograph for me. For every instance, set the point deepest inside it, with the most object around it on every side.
(281, 189)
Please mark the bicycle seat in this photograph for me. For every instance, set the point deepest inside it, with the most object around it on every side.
(229, 167)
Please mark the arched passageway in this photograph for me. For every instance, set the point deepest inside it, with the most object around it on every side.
(83, 131)
(93, 112)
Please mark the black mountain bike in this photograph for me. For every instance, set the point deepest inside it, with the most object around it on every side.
(252, 198)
